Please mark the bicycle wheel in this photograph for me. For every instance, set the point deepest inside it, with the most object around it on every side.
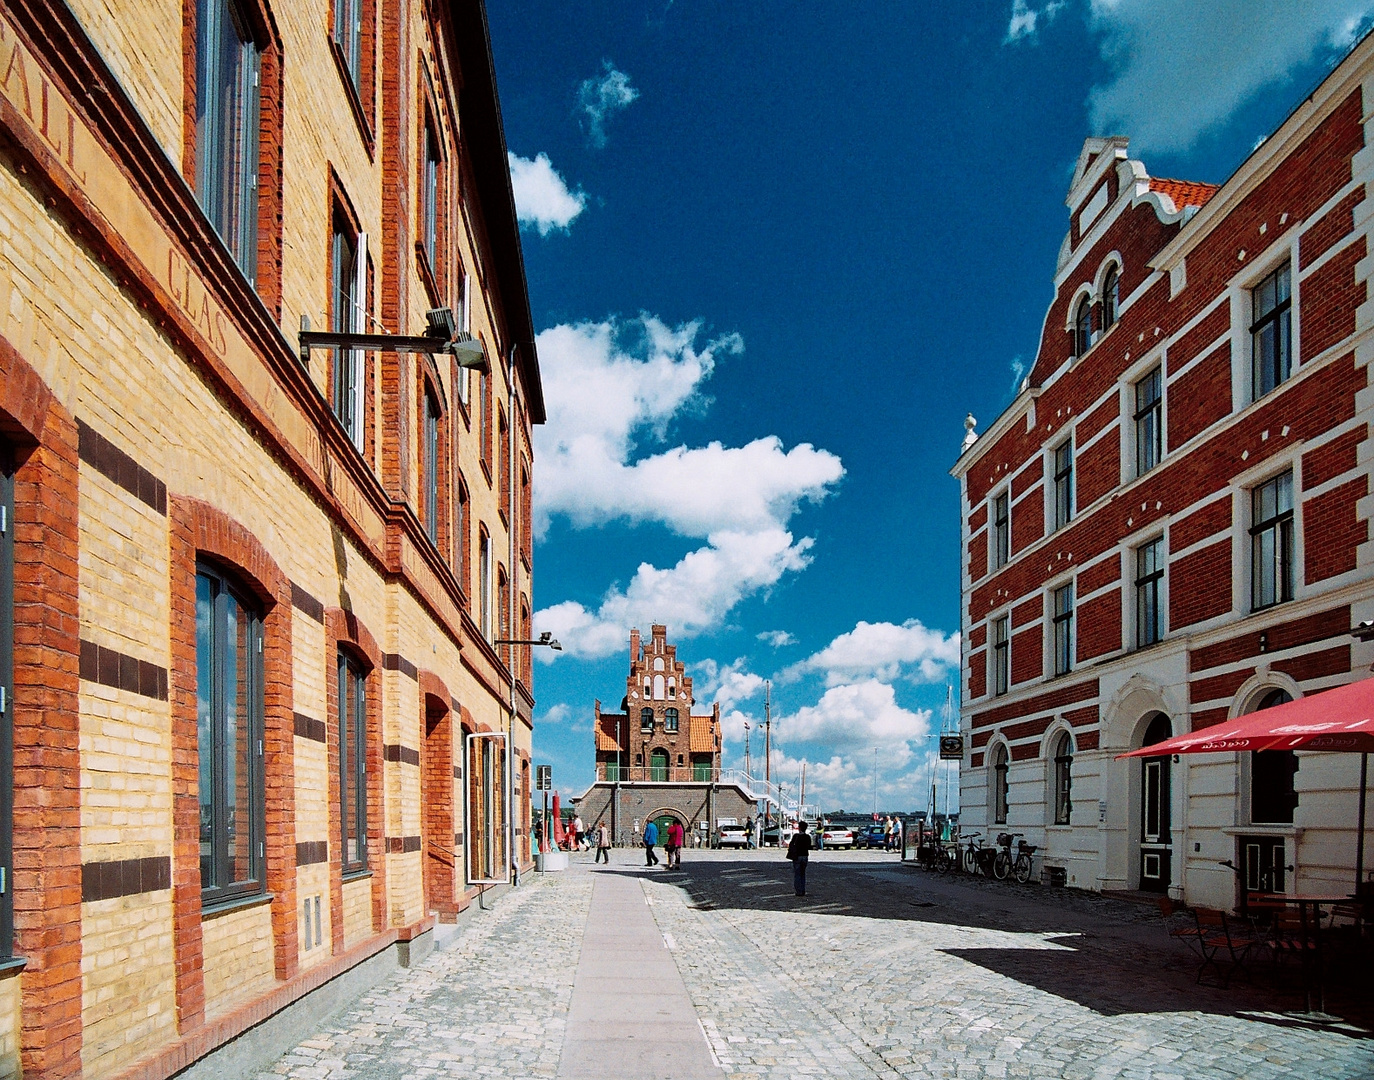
(944, 861)
(970, 860)
(1001, 866)
(1023, 868)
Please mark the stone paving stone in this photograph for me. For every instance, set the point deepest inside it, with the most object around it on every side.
(882, 972)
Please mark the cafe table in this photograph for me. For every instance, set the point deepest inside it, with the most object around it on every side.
(1309, 905)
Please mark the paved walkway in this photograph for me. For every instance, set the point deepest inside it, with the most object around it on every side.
(879, 972)
(630, 1016)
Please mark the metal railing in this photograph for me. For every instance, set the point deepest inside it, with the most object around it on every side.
(657, 774)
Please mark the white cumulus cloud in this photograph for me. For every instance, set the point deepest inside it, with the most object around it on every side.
(542, 198)
(692, 596)
(1179, 68)
(601, 96)
(1025, 20)
(854, 715)
(726, 685)
(885, 651)
(776, 638)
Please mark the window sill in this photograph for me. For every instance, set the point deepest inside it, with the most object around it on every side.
(354, 95)
(1290, 832)
(13, 966)
(238, 903)
(356, 875)
(486, 470)
(1067, 827)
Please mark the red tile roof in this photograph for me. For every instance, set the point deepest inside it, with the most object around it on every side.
(605, 731)
(1184, 192)
(702, 736)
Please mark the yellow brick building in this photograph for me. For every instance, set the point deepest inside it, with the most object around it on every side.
(259, 723)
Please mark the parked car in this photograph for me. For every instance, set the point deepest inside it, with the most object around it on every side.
(732, 836)
(870, 836)
(837, 836)
(771, 836)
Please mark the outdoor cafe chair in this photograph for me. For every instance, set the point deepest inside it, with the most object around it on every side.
(1221, 938)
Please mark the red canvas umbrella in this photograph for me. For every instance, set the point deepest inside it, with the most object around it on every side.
(1341, 719)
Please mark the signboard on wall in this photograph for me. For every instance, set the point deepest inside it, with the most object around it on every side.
(488, 861)
(951, 747)
(543, 777)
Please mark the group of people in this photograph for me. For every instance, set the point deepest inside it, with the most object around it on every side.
(892, 833)
(673, 840)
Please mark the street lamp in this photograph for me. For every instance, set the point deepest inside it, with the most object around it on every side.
(546, 638)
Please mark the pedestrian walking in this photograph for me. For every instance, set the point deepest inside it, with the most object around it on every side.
(799, 850)
(887, 834)
(603, 843)
(674, 846)
(897, 830)
(650, 841)
(579, 835)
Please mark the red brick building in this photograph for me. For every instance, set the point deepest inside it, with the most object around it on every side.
(1169, 526)
(655, 759)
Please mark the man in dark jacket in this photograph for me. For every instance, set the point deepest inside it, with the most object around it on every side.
(798, 850)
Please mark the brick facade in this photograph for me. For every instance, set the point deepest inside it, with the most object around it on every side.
(1188, 258)
(157, 414)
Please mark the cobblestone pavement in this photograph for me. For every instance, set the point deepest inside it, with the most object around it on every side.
(881, 971)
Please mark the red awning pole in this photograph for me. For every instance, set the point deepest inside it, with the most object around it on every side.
(1359, 842)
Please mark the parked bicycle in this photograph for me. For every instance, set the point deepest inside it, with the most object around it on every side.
(1006, 864)
(978, 857)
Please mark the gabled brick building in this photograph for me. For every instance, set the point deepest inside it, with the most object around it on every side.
(252, 594)
(656, 759)
(1169, 525)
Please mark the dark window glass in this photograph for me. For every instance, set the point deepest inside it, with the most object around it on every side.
(1001, 656)
(1111, 289)
(1271, 333)
(6, 704)
(353, 762)
(646, 719)
(669, 719)
(1271, 542)
(484, 585)
(1063, 484)
(348, 397)
(1272, 795)
(1149, 574)
(432, 467)
(348, 32)
(1149, 422)
(1063, 629)
(1063, 779)
(429, 198)
(1001, 529)
(229, 705)
(227, 93)
(1000, 786)
(1083, 326)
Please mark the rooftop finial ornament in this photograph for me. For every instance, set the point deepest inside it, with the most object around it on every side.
(970, 436)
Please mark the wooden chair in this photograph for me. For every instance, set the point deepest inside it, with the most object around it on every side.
(1220, 935)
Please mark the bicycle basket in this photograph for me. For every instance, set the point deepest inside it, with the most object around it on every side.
(1004, 839)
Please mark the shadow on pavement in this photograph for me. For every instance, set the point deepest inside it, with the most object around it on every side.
(1109, 955)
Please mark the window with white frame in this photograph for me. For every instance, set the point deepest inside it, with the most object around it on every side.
(348, 32)
(1001, 655)
(348, 283)
(1083, 326)
(1271, 542)
(1063, 483)
(1063, 778)
(429, 196)
(463, 317)
(1111, 299)
(1271, 332)
(1063, 629)
(484, 585)
(1149, 579)
(1149, 422)
(1001, 530)
(1001, 789)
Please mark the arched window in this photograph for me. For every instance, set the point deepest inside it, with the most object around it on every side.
(658, 765)
(1111, 288)
(669, 719)
(1083, 326)
(658, 687)
(229, 717)
(1272, 797)
(1063, 778)
(353, 762)
(1000, 788)
(658, 663)
(646, 719)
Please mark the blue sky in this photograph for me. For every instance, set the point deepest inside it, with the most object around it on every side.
(776, 252)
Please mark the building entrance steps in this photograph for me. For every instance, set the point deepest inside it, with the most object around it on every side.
(630, 1017)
